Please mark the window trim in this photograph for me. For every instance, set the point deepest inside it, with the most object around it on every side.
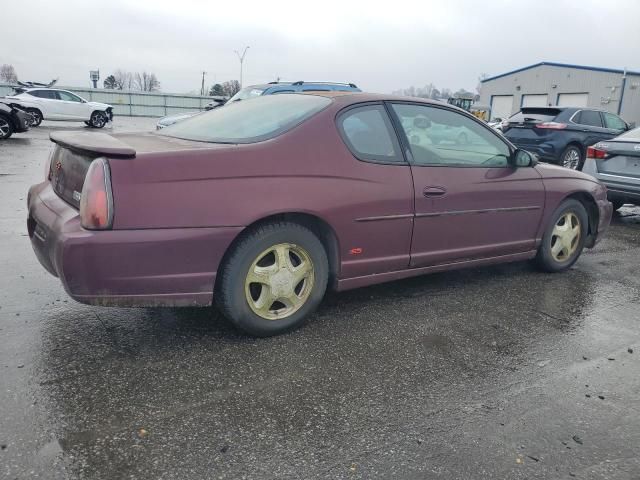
(406, 145)
(400, 157)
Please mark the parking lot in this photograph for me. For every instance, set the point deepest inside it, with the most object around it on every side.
(500, 372)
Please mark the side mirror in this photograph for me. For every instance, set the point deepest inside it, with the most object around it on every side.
(522, 158)
(631, 125)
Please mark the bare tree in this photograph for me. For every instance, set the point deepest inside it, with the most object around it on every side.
(231, 87)
(147, 82)
(8, 74)
(123, 80)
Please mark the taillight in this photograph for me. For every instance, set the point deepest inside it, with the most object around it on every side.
(96, 202)
(551, 125)
(593, 152)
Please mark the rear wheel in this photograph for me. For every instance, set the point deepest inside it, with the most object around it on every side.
(274, 278)
(572, 158)
(564, 237)
(36, 117)
(6, 128)
(98, 119)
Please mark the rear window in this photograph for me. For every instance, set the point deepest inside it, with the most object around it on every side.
(248, 122)
(631, 134)
(535, 115)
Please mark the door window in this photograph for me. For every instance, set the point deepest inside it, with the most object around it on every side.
(589, 117)
(439, 136)
(614, 122)
(68, 97)
(367, 132)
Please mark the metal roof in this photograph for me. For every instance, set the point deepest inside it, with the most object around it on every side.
(562, 65)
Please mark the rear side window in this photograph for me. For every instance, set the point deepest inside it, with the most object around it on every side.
(588, 117)
(535, 115)
(367, 132)
(613, 121)
(50, 94)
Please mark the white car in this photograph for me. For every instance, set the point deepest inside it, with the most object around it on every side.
(54, 104)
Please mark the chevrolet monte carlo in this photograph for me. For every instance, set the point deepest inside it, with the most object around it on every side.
(262, 205)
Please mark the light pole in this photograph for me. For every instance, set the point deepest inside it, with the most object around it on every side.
(202, 87)
(241, 58)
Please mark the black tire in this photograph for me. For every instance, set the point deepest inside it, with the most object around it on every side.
(230, 293)
(545, 258)
(617, 204)
(572, 158)
(87, 124)
(36, 115)
(6, 127)
(98, 119)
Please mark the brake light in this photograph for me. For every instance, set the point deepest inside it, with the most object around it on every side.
(593, 152)
(551, 125)
(96, 202)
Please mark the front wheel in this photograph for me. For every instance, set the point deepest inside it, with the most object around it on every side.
(572, 158)
(98, 119)
(273, 279)
(564, 237)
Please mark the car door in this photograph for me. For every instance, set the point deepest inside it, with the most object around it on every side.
(591, 125)
(376, 234)
(47, 102)
(71, 106)
(470, 201)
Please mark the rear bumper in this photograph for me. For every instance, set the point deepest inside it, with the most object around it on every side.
(151, 267)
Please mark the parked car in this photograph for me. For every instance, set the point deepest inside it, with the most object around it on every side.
(267, 89)
(561, 135)
(12, 120)
(171, 119)
(616, 163)
(54, 104)
(263, 205)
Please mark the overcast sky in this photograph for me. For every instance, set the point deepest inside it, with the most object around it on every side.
(381, 46)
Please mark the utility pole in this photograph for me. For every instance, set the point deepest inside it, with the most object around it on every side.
(202, 87)
(241, 58)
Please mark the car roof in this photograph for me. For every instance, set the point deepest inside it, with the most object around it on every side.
(347, 97)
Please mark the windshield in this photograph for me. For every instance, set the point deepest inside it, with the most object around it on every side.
(248, 122)
(246, 94)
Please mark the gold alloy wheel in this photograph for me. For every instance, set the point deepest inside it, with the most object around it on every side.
(279, 281)
(565, 237)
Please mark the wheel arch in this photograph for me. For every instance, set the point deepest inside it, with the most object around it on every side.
(590, 205)
(320, 227)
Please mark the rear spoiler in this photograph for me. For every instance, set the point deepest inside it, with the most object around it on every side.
(93, 143)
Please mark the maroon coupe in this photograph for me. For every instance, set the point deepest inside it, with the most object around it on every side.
(264, 204)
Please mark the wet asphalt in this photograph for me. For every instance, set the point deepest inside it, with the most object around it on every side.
(492, 373)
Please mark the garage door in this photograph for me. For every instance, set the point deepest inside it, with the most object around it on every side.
(501, 106)
(573, 99)
(535, 100)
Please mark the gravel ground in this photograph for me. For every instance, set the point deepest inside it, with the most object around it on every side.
(490, 373)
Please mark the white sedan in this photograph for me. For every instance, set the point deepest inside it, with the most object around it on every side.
(54, 104)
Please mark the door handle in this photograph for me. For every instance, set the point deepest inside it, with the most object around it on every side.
(434, 191)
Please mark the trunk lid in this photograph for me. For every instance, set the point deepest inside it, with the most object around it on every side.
(623, 158)
(74, 152)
